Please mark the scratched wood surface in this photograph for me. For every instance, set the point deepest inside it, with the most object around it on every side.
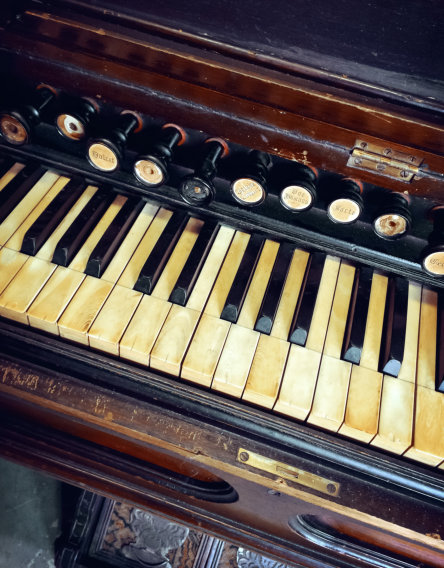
(96, 414)
(307, 115)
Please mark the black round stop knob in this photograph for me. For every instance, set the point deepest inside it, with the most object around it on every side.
(198, 188)
(17, 125)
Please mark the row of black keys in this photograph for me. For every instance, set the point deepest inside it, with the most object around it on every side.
(78, 232)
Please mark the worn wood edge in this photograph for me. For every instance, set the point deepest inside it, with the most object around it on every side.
(335, 452)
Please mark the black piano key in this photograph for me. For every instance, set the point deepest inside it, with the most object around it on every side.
(113, 237)
(357, 316)
(307, 300)
(440, 345)
(394, 330)
(244, 274)
(270, 303)
(160, 254)
(6, 164)
(47, 222)
(18, 187)
(191, 270)
(81, 228)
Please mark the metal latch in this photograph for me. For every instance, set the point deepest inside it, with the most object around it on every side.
(289, 472)
(384, 160)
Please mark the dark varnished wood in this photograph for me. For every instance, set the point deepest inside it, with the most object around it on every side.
(287, 115)
(109, 436)
(377, 57)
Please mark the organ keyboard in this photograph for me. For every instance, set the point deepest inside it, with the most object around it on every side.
(219, 327)
(319, 358)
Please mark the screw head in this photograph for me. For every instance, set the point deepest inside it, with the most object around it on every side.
(363, 145)
(387, 152)
(331, 488)
(380, 167)
(243, 456)
(358, 161)
(404, 173)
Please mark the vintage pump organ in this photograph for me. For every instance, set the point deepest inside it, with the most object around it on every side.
(222, 267)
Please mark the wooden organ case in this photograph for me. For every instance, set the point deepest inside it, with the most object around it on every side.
(266, 362)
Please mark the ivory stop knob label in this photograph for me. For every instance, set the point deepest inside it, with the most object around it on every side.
(434, 263)
(296, 197)
(149, 172)
(344, 210)
(102, 157)
(248, 191)
(390, 225)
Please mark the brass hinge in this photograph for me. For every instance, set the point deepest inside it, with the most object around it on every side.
(384, 160)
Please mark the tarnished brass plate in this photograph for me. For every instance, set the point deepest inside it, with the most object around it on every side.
(289, 472)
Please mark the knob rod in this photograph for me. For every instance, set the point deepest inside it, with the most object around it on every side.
(16, 125)
(106, 153)
(251, 188)
(152, 169)
(73, 123)
(299, 192)
(198, 188)
(347, 204)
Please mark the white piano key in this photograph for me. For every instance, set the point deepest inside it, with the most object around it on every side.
(235, 361)
(210, 269)
(11, 262)
(299, 386)
(10, 174)
(139, 337)
(227, 274)
(24, 209)
(396, 417)
(290, 295)
(131, 272)
(258, 285)
(113, 319)
(132, 243)
(50, 185)
(205, 349)
(375, 323)
(177, 260)
(80, 260)
(51, 301)
(174, 339)
(46, 251)
(266, 371)
(24, 287)
(298, 383)
(339, 311)
(428, 435)
(364, 398)
(301, 373)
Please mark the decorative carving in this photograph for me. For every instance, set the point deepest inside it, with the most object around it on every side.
(115, 534)
(248, 559)
(155, 537)
(209, 553)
